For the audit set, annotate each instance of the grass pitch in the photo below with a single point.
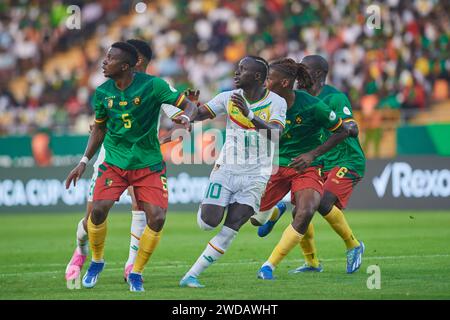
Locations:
(411, 249)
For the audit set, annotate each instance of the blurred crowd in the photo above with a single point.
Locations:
(48, 72)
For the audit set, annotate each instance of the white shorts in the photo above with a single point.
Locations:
(98, 162)
(225, 188)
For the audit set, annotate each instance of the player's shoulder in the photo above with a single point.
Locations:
(306, 98)
(228, 93)
(107, 88)
(332, 92)
(275, 97)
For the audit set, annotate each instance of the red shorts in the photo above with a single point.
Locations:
(149, 184)
(287, 179)
(340, 182)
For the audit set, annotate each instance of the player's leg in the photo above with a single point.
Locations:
(150, 189)
(79, 255)
(308, 247)
(209, 216)
(335, 197)
(335, 217)
(307, 189)
(149, 240)
(271, 206)
(97, 228)
(138, 223)
(110, 184)
(76, 263)
(274, 215)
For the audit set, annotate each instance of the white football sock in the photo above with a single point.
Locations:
(138, 223)
(82, 239)
(263, 216)
(214, 250)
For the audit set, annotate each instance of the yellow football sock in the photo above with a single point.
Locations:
(309, 247)
(147, 244)
(289, 240)
(275, 213)
(97, 236)
(339, 224)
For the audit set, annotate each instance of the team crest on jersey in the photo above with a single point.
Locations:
(347, 111)
(137, 101)
(108, 182)
(298, 119)
(110, 103)
(263, 116)
(123, 103)
(332, 115)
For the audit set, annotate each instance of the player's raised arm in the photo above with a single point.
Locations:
(259, 123)
(95, 141)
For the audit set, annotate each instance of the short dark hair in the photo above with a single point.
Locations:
(261, 65)
(142, 47)
(130, 53)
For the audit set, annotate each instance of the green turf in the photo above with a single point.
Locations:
(411, 249)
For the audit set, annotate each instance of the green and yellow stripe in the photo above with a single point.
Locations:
(337, 125)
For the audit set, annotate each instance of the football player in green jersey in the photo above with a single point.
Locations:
(343, 168)
(127, 110)
(138, 221)
(301, 146)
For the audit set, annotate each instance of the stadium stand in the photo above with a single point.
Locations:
(394, 75)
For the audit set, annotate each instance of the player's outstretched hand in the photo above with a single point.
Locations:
(193, 95)
(75, 174)
(302, 162)
(239, 102)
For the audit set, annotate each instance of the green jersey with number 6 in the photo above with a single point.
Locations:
(348, 153)
(132, 119)
(305, 120)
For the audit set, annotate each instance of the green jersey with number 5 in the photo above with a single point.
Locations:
(132, 119)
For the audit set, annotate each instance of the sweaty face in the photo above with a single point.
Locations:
(245, 75)
(113, 63)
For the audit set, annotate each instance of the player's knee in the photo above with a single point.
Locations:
(326, 203)
(305, 211)
(201, 222)
(158, 218)
(98, 215)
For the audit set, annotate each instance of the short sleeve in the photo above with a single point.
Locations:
(218, 104)
(278, 112)
(326, 117)
(341, 105)
(101, 114)
(166, 94)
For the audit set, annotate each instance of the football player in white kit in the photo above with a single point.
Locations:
(255, 118)
(139, 220)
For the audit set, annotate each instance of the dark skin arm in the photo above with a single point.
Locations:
(303, 161)
(203, 113)
(260, 124)
(190, 110)
(98, 131)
